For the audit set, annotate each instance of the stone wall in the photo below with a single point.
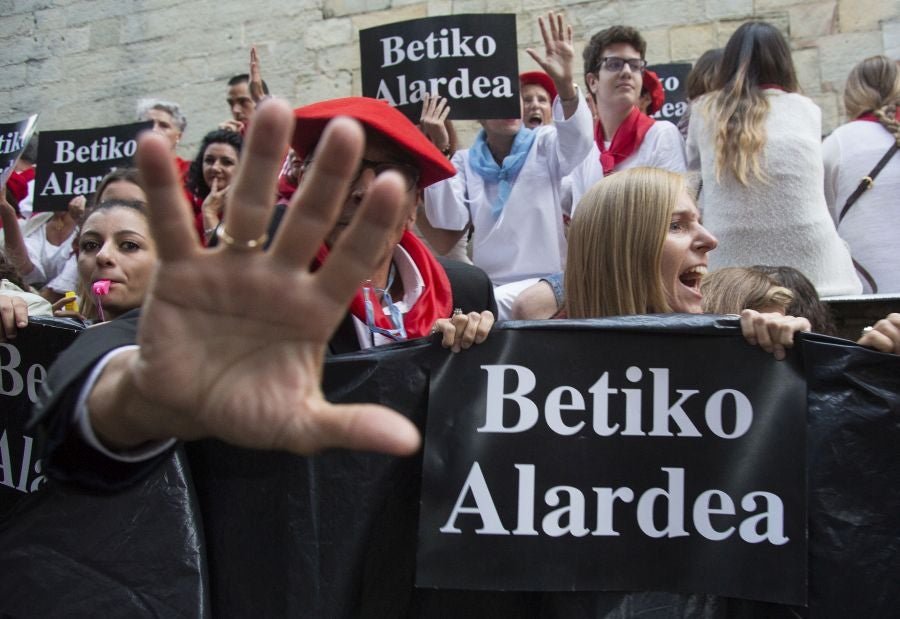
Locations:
(83, 63)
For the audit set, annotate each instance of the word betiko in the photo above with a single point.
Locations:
(611, 452)
(469, 59)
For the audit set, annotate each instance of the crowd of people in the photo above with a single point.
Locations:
(583, 207)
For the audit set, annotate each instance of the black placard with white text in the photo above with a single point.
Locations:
(469, 59)
(24, 361)
(616, 461)
(13, 139)
(673, 78)
(73, 162)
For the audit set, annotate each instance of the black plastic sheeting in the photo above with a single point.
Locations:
(334, 535)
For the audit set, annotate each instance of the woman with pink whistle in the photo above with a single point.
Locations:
(116, 257)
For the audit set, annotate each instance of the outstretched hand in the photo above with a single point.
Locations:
(559, 53)
(232, 339)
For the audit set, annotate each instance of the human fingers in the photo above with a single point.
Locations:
(429, 106)
(76, 207)
(444, 111)
(13, 316)
(170, 222)
(447, 329)
(884, 335)
(545, 36)
(315, 206)
(366, 241)
(470, 330)
(484, 326)
(235, 126)
(458, 322)
(354, 426)
(251, 200)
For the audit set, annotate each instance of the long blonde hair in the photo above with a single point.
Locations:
(615, 244)
(756, 55)
(873, 87)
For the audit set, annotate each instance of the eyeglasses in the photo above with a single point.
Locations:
(615, 64)
(410, 173)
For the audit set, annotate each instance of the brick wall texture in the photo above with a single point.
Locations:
(84, 63)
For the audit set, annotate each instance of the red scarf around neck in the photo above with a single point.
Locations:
(435, 302)
(625, 142)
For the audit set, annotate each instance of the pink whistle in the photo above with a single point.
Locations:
(100, 287)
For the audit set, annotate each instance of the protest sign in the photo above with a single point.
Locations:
(13, 139)
(23, 369)
(673, 78)
(615, 461)
(73, 162)
(469, 59)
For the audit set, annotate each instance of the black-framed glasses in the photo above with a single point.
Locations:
(614, 64)
(410, 173)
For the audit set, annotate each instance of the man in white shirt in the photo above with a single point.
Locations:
(614, 64)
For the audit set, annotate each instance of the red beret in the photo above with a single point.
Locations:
(653, 86)
(379, 116)
(541, 79)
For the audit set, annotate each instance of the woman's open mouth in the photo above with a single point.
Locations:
(691, 277)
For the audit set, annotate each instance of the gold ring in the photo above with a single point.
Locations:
(230, 241)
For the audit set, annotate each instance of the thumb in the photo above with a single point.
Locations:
(367, 427)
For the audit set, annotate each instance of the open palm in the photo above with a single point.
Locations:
(232, 339)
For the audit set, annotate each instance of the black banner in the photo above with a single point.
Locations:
(13, 139)
(333, 535)
(616, 461)
(23, 368)
(73, 162)
(67, 553)
(469, 59)
(673, 78)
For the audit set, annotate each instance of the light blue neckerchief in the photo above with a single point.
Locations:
(482, 161)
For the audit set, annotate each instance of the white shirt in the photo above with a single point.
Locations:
(527, 239)
(872, 225)
(413, 286)
(662, 147)
(48, 259)
(782, 222)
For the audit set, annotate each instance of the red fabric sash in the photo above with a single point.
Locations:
(625, 142)
(435, 302)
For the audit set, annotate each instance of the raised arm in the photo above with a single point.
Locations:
(559, 52)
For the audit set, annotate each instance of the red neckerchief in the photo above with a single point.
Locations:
(435, 302)
(625, 142)
(27, 175)
(286, 189)
(874, 119)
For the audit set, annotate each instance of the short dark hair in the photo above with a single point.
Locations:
(593, 51)
(242, 78)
